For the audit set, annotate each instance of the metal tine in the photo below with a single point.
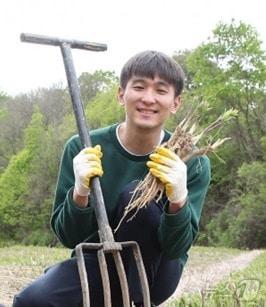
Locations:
(83, 276)
(141, 271)
(142, 275)
(105, 275)
(122, 278)
(105, 278)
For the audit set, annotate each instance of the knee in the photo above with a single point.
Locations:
(133, 225)
(166, 280)
(28, 298)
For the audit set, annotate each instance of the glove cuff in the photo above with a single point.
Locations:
(82, 190)
(179, 198)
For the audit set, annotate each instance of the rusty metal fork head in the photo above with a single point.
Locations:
(113, 248)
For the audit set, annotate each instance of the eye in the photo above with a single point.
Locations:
(162, 91)
(138, 87)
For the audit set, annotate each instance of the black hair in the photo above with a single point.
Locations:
(150, 64)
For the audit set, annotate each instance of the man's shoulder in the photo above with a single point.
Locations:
(101, 131)
(95, 134)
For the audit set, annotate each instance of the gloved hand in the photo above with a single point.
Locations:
(86, 165)
(172, 172)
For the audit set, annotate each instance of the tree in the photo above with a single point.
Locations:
(92, 84)
(181, 57)
(20, 213)
(104, 109)
(15, 116)
(242, 223)
(230, 72)
(54, 103)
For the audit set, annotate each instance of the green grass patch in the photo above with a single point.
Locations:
(32, 255)
(200, 256)
(43, 256)
(244, 288)
(19, 265)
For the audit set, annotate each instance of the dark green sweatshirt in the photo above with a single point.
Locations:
(73, 225)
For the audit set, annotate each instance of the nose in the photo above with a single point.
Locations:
(148, 97)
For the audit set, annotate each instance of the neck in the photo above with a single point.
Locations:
(139, 141)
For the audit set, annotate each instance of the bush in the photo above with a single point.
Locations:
(242, 223)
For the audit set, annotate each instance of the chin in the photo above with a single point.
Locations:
(148, 126)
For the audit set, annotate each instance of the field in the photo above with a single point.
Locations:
(208, 269)
(241, 288)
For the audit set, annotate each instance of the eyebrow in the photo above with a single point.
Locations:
(162, 82)
(159, 82)
(138, 79)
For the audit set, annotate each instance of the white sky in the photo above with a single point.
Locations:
(126, 26)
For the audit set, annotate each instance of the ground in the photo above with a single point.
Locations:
(198, 278)
(205, 268)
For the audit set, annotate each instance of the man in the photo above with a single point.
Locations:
(122, 154)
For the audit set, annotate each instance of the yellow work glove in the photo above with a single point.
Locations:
(172, 172)
(87, 164)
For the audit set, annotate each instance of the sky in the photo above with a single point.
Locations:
(126, 26)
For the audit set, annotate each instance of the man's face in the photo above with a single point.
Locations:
(148, 102)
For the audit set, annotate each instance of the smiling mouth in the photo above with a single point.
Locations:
(147, 111)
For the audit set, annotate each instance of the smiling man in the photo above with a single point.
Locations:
(150, 88)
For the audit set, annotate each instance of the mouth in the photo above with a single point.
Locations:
(147, 111)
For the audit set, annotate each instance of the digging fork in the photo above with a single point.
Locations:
(107, 243)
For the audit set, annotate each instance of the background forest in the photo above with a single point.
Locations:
(227, 71)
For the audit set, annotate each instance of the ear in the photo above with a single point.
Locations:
(120, 96)
(176, 104)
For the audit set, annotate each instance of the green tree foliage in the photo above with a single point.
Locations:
(181, 57)
(26, 187)
(14, 182)
(54, 103)
(104, 109)
(28, 180)
(92, 84)
(242, 223)
(15, 114)
(229, 71)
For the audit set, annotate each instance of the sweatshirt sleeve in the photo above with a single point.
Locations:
(71, 224)
(177, 231)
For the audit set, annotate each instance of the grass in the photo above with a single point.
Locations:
(19, 265)
(44, 256)
(36, 256)
(200, 256)
(243, 289)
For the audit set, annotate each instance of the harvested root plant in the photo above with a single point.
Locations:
(183, 142)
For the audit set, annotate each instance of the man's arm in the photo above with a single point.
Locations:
(177, 231)
(79, 200)
(71, 221)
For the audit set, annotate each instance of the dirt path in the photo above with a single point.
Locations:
(198, 278)
(13, 279)
(195, 278)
